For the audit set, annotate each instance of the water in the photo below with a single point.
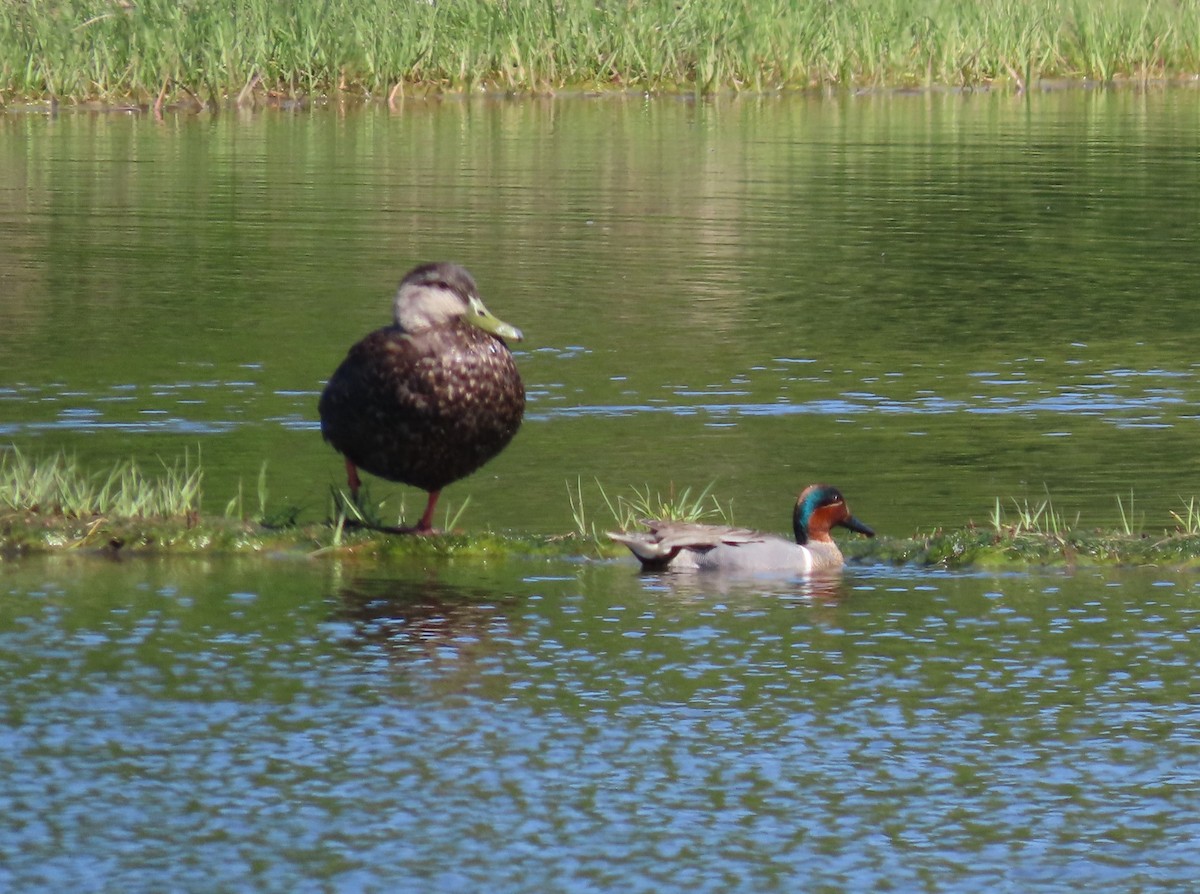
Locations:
(179, 726)
(931, 301)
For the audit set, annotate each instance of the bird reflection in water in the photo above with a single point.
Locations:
(428, 625)
(818, 589)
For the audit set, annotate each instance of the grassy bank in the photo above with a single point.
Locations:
(971, 547)
(52, 504)
(248, 51)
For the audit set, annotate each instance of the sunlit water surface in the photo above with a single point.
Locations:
(565, 727)
(932, 301)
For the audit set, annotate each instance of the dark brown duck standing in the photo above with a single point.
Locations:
(431, 398)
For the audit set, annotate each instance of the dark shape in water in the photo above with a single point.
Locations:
(431, 398)
(688, 546)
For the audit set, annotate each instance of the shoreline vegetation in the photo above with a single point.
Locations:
(195, 54)
(52, 505)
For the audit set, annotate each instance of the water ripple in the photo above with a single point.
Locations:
(215, 407)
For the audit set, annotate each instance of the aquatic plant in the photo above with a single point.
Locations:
(367, 512)
(58, 486)
(627, 512)
(256, 50)
(1189, 521)
(271, 517)
(1130, 524)
(363, 511)
(1041, 518)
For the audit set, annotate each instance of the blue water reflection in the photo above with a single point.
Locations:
(580, 727)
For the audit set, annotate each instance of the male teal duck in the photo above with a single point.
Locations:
(431, 398)
(686, 546)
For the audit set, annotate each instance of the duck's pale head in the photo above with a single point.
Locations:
(819, 508)
(434, 295)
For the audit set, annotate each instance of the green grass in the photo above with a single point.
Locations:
(1023, 533)
(1188, 522)
(217, 51)
(50, 503)
(58, 486)
(367, 512)
(626, 511)
(1031, 518)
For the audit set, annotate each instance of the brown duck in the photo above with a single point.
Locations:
(431, 398)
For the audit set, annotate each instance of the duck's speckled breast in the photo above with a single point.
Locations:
(423, 409)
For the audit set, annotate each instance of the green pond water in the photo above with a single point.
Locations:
(931, 301)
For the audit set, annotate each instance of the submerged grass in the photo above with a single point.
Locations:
(238, 50)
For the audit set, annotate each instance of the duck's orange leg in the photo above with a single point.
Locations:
(352, 479)
(425, 525)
